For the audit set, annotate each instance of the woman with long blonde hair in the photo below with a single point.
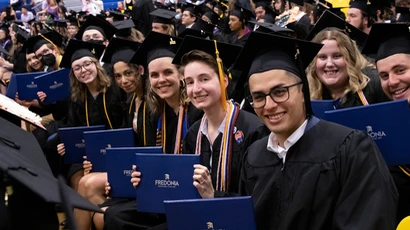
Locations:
(337, 72)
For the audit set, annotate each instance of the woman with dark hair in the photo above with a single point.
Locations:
(8, 15)
(279, 6)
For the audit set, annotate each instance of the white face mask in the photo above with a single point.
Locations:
(178, 16)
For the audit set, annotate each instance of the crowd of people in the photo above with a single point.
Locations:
(232, 82)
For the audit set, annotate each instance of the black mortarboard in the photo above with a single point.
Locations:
(221, 5)
(194, 33)
(36, 42)
(124, 27)
(404, 14)
(22, 159)
(73, 21)
(270, 15)
(200, 29)
(117, 16)
(94, 23)
(120, 50)
(213, 17)
(269, 52)
(298, 2)
(164, 16)
(227, 52)
(156, 45)
(31, 21)
(242, 12)
(386, 39)
(60, 23)
(103, 17)
(18, 22)
(329, 19)
(270, 28)
(362, 5)
(77, 49)
(22, 35)
(66, 204)
(82, 14)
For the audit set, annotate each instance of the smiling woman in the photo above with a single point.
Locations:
(337, 72)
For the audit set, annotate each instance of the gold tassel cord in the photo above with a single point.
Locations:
(221, 77)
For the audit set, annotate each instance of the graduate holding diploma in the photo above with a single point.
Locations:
(308, 173)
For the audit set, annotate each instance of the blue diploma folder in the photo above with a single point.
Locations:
(74, 143)
(164, 177)
(387, 123)
(24, 84)
(96, 143)
(235, 213)
(319, 107)
(119, 163)
(56, 85)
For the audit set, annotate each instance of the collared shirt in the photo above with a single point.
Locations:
(190, 26)
(292, 139)
(204, 131)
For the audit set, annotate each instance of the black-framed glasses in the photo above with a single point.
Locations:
(278, 95)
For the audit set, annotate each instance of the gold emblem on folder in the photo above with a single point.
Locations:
(210, 225)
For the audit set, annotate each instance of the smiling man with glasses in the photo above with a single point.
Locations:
(308, 173)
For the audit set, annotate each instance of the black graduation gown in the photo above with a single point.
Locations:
(140, 14)
(241, 41)
(373, 92)
(96, 113)
(334, 178)
(246, 123)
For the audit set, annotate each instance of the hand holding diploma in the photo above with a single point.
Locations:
(135, 176)
(203, 181)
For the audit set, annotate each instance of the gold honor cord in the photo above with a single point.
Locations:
(221, 77)
(105, 110)
(132, 102)
(405, 170)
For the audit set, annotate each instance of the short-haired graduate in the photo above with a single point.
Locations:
(308, 173)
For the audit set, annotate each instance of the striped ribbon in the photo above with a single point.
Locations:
(182, 129)
(225, 157)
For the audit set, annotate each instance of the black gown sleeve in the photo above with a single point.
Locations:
(364, 179)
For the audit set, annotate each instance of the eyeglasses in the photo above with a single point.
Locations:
(278, 95)
(86, 65)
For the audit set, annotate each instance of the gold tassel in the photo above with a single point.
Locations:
(221, 77)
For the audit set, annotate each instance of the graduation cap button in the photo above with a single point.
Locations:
(172, 42)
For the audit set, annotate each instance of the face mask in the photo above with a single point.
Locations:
(178, 17)
(96, 42)
(48, 59)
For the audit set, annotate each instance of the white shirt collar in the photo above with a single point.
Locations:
(204, 128)
(292, 139)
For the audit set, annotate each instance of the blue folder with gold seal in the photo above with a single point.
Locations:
(234, 213)
(164, 177)
(56, 85)
(74, 143)
(24, 84)
(119, 163)
(387, 123)
(96, 143)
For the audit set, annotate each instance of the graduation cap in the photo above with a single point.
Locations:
(362, 5)
(61, 23)
(23, 161)
(73, 21)
(270, 15)
(156, 45)
(82, 14)
(34, 43)
(404, 14)
(163, 16)
(94, 23)
(31, 21)
(66, 204)
(271, 28)
(227, 52)
(213, 17)
(117, 16)
(386, 39)
(298, 2)
(18, 22)
(77, 49)
(124, 27)
(21, 35)
(200, 29)
(221, 5)
(120, 50)
(242, 12)
(269, 52)
(329, 19)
